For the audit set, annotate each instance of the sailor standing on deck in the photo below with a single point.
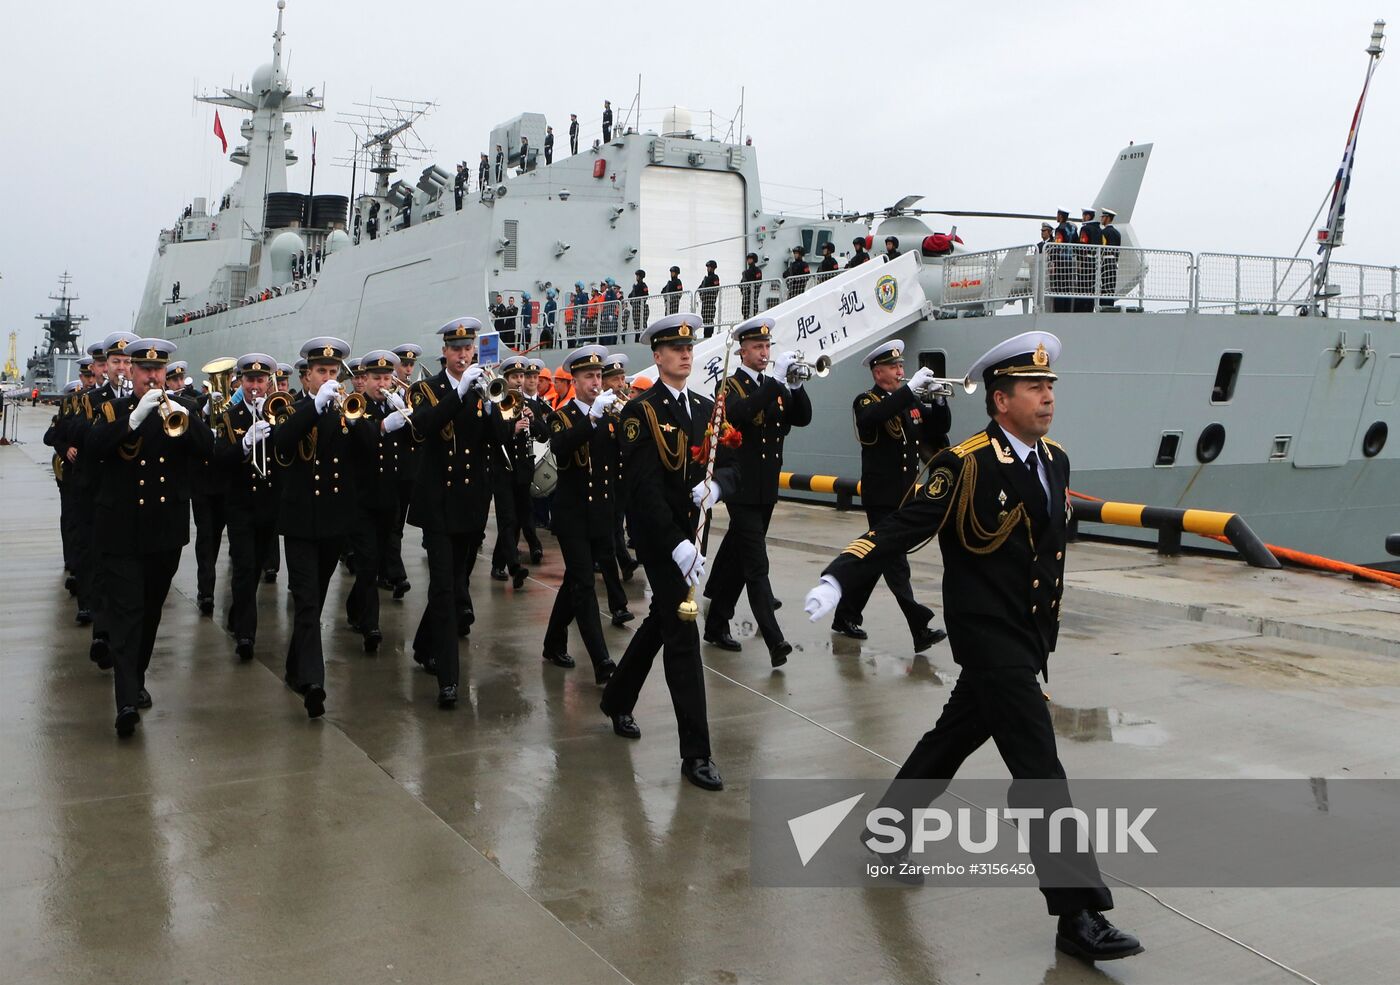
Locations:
(764, 409)
(243, 452)
(891, 423)
(998, 504)
(460, 433)
(666, 494)
(144, 457)
(1087, 260)
(313, 450)
(573, 133)
(1111, 237)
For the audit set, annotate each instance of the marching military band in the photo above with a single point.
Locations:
(362, 447)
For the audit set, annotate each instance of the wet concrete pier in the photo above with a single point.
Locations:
(516, 839)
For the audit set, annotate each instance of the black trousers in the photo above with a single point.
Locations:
(451, 557)
(369, 538)
(273, 561)
(391, 563)
(68, 528)
(742, 562)
(576, 601)
(310, 564)
(85, 545)
(679, 643)
(1006, 705)
(252, 542)
(525, 515)
(134, 590)
(209, 522)
(506, 553)
(573, 143)
(852, 606)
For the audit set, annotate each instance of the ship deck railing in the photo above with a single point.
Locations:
(1072, 277)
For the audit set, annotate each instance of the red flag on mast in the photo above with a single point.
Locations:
(219, 131)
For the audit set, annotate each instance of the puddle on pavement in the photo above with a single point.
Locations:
(1105, 725)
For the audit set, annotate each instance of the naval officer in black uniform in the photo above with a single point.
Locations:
(765, 409)
(511, 474)
(999, 506)
(392, 572)
(313, 450)
(583, 435)
(666, 493)
(459, 433)
(243, 453)
(143, 502)
(891, 425)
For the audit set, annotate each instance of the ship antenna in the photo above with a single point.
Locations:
(1330, 237)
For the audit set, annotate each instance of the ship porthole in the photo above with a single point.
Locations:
(1374, 441)
(1211, 443)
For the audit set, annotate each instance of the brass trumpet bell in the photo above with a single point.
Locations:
(220, 377)
(511, 403)
(801, 371)
(173, 420)
(353, 406)
(277, 407)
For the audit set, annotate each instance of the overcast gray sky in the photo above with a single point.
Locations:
(996, 106)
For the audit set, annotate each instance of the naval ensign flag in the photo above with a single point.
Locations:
(219, 131)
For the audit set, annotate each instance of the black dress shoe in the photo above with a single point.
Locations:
(928, 636)
(143, 698)
(702, 773)
(518, 576)
(372, 640)
(127, 720)
(1088, 935)
(624, 725)
(847, 628)
(895, 861)
(498, 574)
(621, 617)
(71, 584)
(536, 557)
(778, 655)
(720, 637)
(206, 606)
(243, 650)
(559, 659)
(84, 617)
(604, 671)
(401, 589)
(314, 699)
(270, 576)
(100, 652)
(628, 570)
(447, 696)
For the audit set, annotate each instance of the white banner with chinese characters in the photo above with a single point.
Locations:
(844, 316)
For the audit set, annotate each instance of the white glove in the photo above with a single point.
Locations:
(395, 401)
(782, 364)
(600, 406)
(326, 394)
(922, 379)
(258, 432)
(690, 561)
(393, 422)
(823, 598)
(144, 406)
(705, 495)
(469, 379)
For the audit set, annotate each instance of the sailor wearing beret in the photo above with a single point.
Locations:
(760, 403)
(897, 431)
(243, 454)
(666, 492)
(998, 505)
(313, 451)
(459, 434)
(142, 446)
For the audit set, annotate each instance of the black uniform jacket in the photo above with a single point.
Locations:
(143, 491)
(585, 457)
(246, 490)
(377, 457)
(764, 415)
(1003, 548)
(517, 455)
(890, 426)
(315, 453)
(659, 470)
(458, 439)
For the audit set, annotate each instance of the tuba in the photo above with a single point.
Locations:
(220, 374)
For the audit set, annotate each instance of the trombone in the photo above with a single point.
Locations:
(943, 387)
(801, 371)
(275, 408)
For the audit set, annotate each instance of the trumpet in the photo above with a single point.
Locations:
(801, 371)
(173, 419)
(398, 386)
(352, 406)
(493, 385)
(511, 405)
(943, 387)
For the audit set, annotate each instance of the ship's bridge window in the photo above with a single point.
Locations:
(1227, 374)
(814, 239)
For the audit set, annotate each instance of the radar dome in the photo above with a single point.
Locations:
(280, 252)
(338, 240)
(676, 122)
(262, 78)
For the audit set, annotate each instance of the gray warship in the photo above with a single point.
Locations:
(55, 360)
(1256, 384)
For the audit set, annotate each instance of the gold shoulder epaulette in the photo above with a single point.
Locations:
(1056, 444)
(424, 391)
(972, 444)
(109, 413)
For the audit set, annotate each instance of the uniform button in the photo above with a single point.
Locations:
(381, 468)
(162, 499)
(449, 482)
(140, 502)
(335, 489)
(162, 459)
(141, 482)
(316, 461)
(162, 478)
(335, 475)
(1059, 555)
(143, 462)
(318, 492)
(1057, 583)
(335, 461)
(1036, 582)
(1032, 607)
(590, 499)
(449, 468)
(316, 477)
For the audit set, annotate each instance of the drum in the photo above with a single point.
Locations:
(546, 474)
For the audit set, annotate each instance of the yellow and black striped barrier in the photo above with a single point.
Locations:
(1169, 523)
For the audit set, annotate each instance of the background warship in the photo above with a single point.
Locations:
(1263, 385)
